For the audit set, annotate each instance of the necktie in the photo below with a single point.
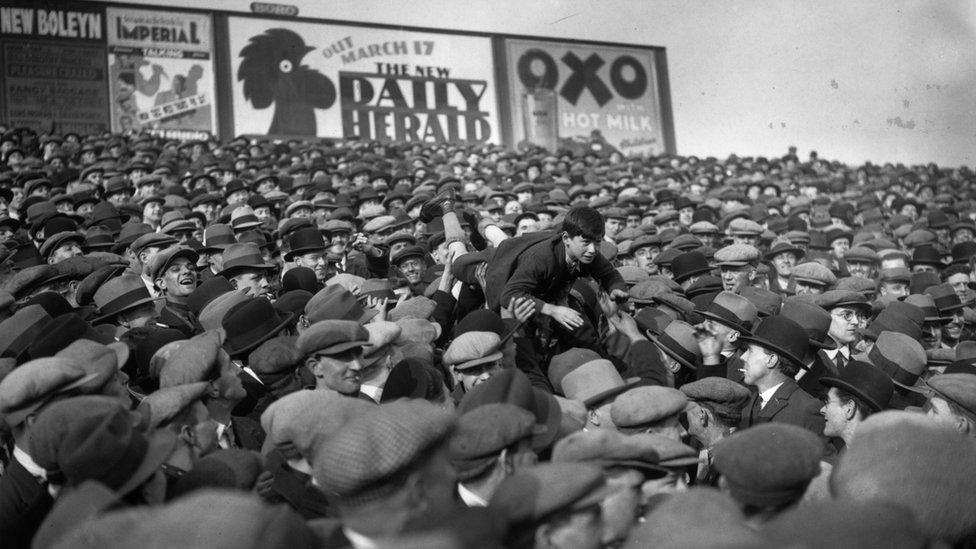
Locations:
(839, 361)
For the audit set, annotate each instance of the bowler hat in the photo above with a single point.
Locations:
(120, 294)
(782, 245)
(689, 264)
(864, 381)
(946, 299)
(206, 292)
(927, 254)
(782, 336)
(250, 323)
(304, 241)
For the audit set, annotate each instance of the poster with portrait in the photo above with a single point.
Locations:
(161, 73)
(326, 80)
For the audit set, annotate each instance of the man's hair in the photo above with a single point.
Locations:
(584, 221)
(861, 409)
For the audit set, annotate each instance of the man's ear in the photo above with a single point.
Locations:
(752, 274)
(233, 282)
(733, 336)
(543, 536)
(593, 417)
(312, 365)
(213, 391)
(188, 435)
(160, 284)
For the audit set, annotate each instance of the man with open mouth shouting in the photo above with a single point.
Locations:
(174, 273)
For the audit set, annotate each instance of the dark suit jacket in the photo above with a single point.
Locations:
(789, 404)
(247, 433)
(295, 488)
(24, 502)
(534, 265)
(822, 367)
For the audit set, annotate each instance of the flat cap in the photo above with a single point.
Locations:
(812, 272)
(895, 274)
(743, 226)
(473, 348)
(769, 464)
(415, 307)
(28, 387)
(156, 240)
(861, 254)
(192, 361)
(301, 421)
(163, 405)
(483, 432)
(911, 460)
(534, 494)
(609, 448)
(723, 395)
(737, 255)
(642, 406)
(329, 337)
(274, 356)
(959, 389)
(165, 258)
(378, 223)
(362, 462)
(832, 299)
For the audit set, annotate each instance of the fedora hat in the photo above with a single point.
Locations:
(98, 238)
(813, 319)
(83, 438)
(781, 336)
(120, 294)
(213, 312)
(335, 302)
(927, 305)
(61, 332)
(732, 310)
(582, 374)
(927, 254)
(242, 256)
(250, 323)
(689, 264)
(20, 330)
(900, 357)
(678, 341)
(893, 319)
(217, 237)
(865, 381)
(946, 299)
(206, 292)
(243, 218)
(304, 241)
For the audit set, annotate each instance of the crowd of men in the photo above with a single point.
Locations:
(346, 343)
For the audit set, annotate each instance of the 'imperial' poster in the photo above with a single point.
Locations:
(161, 73)
(345, 81)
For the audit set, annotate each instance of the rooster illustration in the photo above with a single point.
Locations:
(272, 73)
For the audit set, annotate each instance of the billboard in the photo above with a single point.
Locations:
(54, 74)
(584, 96)
(329, 80)
(161, 73)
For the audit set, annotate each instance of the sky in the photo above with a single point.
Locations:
(878, 80)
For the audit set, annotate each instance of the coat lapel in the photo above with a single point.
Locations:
(779, 401)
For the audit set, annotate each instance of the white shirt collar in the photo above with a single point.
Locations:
(767, 395)
(832, 353)
(29, 464)
(359, 541)
(372, 391)
(470, 498)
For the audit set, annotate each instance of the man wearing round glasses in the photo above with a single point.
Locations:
(849, 312)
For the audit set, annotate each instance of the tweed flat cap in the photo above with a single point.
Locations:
(415, 307)
(861, 254)
(959, 389)
(382, 334)
(151, 240)
(769, 464)
(363, 461)
(895, 274)
(911, 460)
(723, 395)
(812, 272)
(192, 361)
(163, 405)
(609, 448)
(746, 227)
(165, 258)
(837, 523)
(300, 421)
(832, 299)
(485, 431)
(29, 386)
(698, 517)
(643, 406)
(473, 348)
(737, 255)
(330, 337)
(274, 356)
(534, 494)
